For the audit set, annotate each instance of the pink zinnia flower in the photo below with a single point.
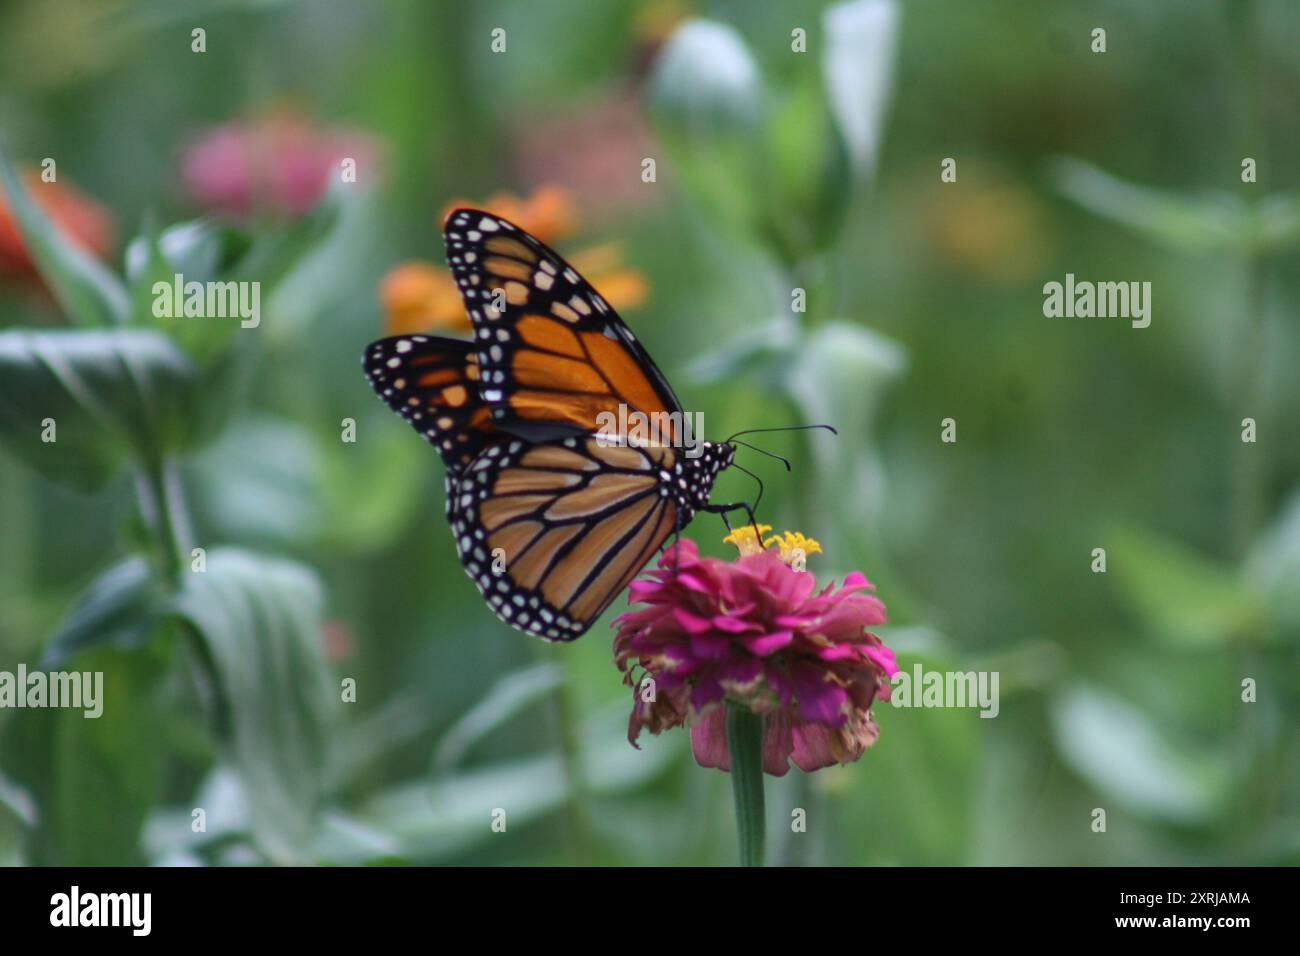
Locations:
(758, 633)
(278, 163)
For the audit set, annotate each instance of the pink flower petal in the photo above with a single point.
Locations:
(818, 699)
(777, 744)
(733, 625)
(710, 645)
(692, 623)
(811, 748)
(884, 657)
(765, 644)
(709, 739)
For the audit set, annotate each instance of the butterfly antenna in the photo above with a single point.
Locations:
(783, 428)
(764, 451)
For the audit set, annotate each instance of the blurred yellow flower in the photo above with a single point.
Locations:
(995, 229)
(418, 296)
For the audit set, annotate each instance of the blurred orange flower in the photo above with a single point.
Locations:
(77, 216)
(550, 213)
(418, 296)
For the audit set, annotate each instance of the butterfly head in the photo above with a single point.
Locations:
(720, 454)
(714, 457)
(695, 474)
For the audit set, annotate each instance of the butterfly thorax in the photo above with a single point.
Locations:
(691, 479)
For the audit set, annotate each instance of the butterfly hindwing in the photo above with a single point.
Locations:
(554, 355)
(552, 532)
(433, 383)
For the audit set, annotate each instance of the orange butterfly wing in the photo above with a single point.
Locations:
(551, 533)
(550, 522)
(433, 383)
(554, 355)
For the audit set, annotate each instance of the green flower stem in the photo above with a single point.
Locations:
(745, 745)
(568, 721)
(1253, 473)
(1250, 481)
(158, 487)
(571, 752)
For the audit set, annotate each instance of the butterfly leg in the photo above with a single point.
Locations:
(723, 510)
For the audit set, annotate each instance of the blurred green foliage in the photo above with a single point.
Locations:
(329, 561)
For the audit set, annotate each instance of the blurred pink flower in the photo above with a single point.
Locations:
(756, 632)
(278, 163)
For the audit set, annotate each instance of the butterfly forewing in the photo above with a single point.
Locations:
(552, 519)
(433, 383)
(554, 354)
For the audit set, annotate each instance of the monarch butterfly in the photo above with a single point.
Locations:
(551, 518)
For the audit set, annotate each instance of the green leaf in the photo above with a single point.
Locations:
(455, 813)
(1277, 220)
(1190, 224)
(86, 291)
(808, 180)
(706, 101)
(435, 822)
(1184, 598)
(198, 252)
(371, 497)
(271, 481)
(93, 778)
(513, 693)
(858, 64)
(260, 482)
(1273, 567)
(120, 608)
(108, 393)
(841, 373)
(762, 351)
(910, 799)
(1120, 751)
(276, 252)
(201, 249)
(17, 819)
(169, 830)
(17, 802)
(839, 378)
(259, 623)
